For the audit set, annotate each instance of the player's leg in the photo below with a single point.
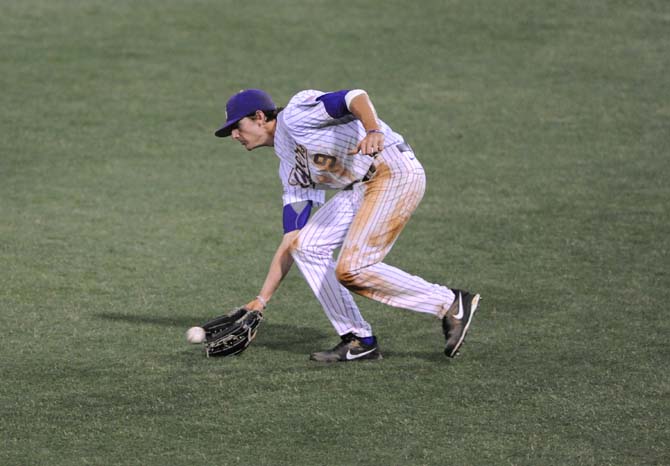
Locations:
(389, 200)
(313, 253)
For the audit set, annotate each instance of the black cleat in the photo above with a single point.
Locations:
(351, 348)
(456, 320)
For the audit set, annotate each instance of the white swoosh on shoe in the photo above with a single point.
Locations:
(351, 357)
(459, 316)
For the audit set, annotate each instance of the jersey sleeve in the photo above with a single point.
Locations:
(335, 103)
(295, 215)
(312, 109)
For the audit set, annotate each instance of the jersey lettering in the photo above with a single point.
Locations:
(300, 173)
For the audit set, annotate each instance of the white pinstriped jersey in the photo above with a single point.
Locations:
(314, 147)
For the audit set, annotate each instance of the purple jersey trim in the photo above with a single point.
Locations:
(335, 104)
(296, 219)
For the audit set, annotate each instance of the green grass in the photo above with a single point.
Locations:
(545, 131)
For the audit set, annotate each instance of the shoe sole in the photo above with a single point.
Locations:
(473, 307)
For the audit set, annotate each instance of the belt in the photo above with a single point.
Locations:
(402, 147)
(371, 172)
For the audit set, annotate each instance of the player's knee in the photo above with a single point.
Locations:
(347, 277)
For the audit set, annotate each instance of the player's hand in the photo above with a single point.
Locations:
(372, 144)
(255, 305)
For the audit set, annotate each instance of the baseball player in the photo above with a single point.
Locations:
(334, 140)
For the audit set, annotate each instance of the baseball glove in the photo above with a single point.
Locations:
(230, 334)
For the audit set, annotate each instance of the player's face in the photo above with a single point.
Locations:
(251, 133)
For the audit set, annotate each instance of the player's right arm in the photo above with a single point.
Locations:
(361, 107)
(304, 114)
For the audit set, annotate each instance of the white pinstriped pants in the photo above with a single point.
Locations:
(366, 221)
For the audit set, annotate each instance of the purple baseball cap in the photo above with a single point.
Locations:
(243, 104)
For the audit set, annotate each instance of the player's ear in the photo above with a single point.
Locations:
(260, 116)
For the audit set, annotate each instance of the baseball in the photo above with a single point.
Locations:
(195, 335)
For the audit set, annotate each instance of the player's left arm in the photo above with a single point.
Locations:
(295, 216)
(279, 266)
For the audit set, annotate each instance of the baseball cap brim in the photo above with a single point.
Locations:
(226, 129)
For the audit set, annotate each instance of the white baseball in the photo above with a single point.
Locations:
(195, 335)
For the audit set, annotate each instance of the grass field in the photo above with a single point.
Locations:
(544, 128)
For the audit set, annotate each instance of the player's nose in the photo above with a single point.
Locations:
(235, 133)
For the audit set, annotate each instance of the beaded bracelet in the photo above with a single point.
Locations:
(262, 301)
